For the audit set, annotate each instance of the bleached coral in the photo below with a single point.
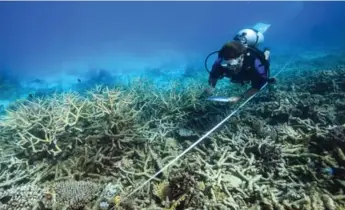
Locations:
(75, 194)
(23, 197)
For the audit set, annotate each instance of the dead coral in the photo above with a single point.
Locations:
(269, 156)
(182, 185)
(257, 160)
(179, 191)
(331, 140)
(54, 124)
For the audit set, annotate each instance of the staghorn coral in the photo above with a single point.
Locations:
(39, 124)
(269, 156)
(37, 130)
(132, 149)
(52, 125)
(180, 191)
(331, 145)
(334, 138)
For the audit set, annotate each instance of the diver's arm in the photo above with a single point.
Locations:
(251, 91)
(245, 95)
(215, 75)
(211, 86)
(212, 81)
(258, 82)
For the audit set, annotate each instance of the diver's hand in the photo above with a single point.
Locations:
(267, 54)
(206, 93)
(209, 91)
(272, 80)
(234, 99)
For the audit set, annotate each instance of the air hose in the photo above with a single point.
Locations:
(206, 59)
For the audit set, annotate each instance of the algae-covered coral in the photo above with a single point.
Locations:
(72, 151)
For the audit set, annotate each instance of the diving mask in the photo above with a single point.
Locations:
(234, 64)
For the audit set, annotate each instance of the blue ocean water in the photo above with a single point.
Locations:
(53, 44)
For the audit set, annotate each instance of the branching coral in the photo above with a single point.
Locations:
(39, 125)
(51, 125)
(180, 191)
(257, 160)
(332, 139)
(269, 156)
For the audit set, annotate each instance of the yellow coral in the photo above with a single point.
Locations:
(117, 201)
(176, 203)
(219, 194)
(160, 190)
(201, 186)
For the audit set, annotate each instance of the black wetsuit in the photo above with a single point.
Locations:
(255, 69)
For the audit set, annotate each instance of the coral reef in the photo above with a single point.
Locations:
(72, 151)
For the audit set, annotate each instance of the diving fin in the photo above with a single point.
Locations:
(261, 27)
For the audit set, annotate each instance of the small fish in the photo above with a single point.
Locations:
(79, 80)
(335, 172)
(218, 98)
(328, 171)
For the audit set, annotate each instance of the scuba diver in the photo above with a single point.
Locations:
(242, 62)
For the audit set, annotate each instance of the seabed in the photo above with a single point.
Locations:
(73, 151)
